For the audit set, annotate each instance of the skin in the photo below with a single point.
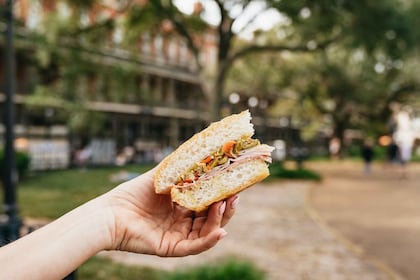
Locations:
(131, 217)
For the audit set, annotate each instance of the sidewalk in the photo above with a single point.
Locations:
(379, 214)
(274, 229)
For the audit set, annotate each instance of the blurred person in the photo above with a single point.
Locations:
(405, 141)
(334, 148)
(405, 150)
(131, 217)
(404, 138)
(392, 152)
(367, 155)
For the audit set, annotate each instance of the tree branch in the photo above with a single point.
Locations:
(275, 48)
(396, 94)
(252, 19)
(180, 28)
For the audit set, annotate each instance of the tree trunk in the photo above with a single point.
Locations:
(213, 88)
(338, 133)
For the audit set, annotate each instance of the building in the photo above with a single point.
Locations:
(148, 98)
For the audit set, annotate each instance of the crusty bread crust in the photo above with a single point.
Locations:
(226, 184)
(200, 146)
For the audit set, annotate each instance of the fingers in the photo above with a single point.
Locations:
(231, 205)
(218, 215)
(196, 246)
(206, 229)
(214, 218)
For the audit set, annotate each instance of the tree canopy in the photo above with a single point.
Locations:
(339, 58)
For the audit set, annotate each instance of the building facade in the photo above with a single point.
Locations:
(149, 100)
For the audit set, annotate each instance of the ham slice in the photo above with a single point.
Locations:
(262, 152)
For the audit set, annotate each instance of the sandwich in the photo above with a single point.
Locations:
(217, 162)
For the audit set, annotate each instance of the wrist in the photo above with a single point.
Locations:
(104, 222)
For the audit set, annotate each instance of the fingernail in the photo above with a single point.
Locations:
(234, 203)
(222, 208)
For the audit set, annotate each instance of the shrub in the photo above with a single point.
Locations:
(279, 171)
(230, 269)
(22, 163)
(226, 269)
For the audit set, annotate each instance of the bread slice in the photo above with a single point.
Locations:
(206, 192)
(200, 146)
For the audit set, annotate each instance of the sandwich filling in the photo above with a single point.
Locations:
(226, 157)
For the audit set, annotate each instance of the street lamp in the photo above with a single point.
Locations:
(10, 226)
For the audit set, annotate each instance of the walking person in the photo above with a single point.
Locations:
(392, 153)
(367, 155)
(405, 149)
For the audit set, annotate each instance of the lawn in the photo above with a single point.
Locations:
(53, 193)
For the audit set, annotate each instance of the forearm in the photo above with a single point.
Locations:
(58, 248)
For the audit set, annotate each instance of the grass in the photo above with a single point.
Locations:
(226, 269)
(53, 193)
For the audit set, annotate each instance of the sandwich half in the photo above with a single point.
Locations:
(214, 164)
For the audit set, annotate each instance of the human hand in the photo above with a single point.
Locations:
(149, 223)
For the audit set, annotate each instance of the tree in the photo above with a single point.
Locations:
(306, 26)
(353, 80)
(382, 30)
(157, 12)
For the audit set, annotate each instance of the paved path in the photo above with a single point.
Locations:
(274, 229)
(379, 213)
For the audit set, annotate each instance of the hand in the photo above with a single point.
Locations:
(149, 223)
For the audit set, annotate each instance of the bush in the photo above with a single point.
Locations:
(23, 161)
(277, 170)
(230, 269)
(226, 269)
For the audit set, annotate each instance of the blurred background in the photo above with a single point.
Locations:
(116, 83)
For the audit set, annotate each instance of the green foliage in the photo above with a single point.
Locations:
(278, 171)
(230, 269)
(226, 269)
(104, 268)
(331, 82)
(355, 22)
(348, 83)
(23, 161)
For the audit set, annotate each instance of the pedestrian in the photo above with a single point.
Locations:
(367, 155)
(392, 152)
(405, 150)
(131, 217)
(334, 148)
(404, 137)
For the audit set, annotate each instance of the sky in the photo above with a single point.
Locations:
(265, 20)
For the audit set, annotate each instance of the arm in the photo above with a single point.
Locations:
(58, 248)
(130, 217)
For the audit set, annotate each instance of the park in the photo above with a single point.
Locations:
(95, 93)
